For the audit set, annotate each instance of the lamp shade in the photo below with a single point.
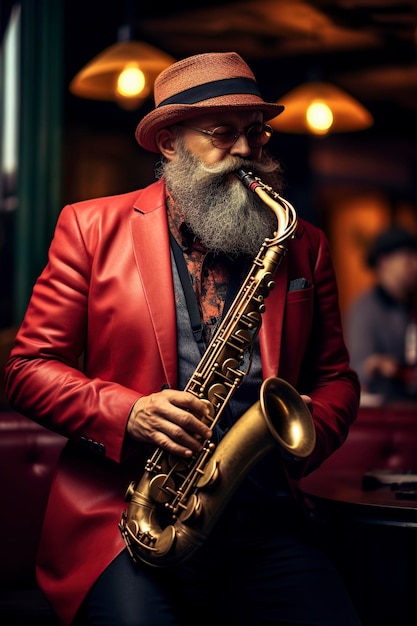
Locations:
(99, 79)
(321, 108)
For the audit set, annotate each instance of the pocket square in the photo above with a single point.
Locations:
(299, 283)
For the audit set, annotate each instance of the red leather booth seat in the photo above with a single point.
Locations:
(382, 437)
(28, 454)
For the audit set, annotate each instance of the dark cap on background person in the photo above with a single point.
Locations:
(200, 84)
(395, 238)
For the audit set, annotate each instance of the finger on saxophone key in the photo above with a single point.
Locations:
(174, 420)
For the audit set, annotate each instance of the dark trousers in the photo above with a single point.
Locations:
(251, 571)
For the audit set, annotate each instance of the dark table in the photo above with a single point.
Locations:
(372, 536)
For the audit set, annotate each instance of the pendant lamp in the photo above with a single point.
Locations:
(321, 108)
(124, 73)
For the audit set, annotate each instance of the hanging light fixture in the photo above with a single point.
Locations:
(321, 108)
(124, 73)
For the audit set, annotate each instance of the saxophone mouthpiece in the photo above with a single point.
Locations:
(247, 179)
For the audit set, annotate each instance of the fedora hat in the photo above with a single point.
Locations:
(390, 240)
(210, 82)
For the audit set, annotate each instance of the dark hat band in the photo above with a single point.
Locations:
(214, 89)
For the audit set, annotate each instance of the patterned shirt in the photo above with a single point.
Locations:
(210, 274)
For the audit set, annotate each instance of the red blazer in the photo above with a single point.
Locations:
(100, 331)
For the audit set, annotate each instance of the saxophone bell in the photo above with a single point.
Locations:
(288, 417)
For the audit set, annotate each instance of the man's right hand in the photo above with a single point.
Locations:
(172, 420)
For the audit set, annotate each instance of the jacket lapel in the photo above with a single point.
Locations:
(270, 335)
(153, 259)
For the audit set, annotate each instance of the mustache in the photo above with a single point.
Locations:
(218, 172)
(223, 168)
(268, 170)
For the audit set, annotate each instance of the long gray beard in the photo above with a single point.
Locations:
(218, 208)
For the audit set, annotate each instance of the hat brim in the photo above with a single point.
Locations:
(171, 114)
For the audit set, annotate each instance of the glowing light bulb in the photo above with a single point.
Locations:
(131, 82)
(319, 117)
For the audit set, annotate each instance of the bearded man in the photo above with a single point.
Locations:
(137, 285)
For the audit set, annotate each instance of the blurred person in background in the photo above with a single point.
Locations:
(382, 322)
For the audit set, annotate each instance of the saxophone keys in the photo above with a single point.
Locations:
(160, 488)
(268, 282)
(216, 393)
(193, 509)
(230, 365)
(210, 474)
(243, 337)
(165, 541)
(253, 319)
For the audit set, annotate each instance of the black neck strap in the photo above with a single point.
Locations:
(191, 300)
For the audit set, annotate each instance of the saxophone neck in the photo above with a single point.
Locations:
(284, 211)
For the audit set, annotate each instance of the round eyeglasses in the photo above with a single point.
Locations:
(224, 137)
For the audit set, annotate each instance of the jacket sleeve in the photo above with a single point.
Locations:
(43, 377)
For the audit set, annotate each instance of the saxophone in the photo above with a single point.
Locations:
(176, 502)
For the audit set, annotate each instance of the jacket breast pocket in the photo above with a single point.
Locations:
(299, 318)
